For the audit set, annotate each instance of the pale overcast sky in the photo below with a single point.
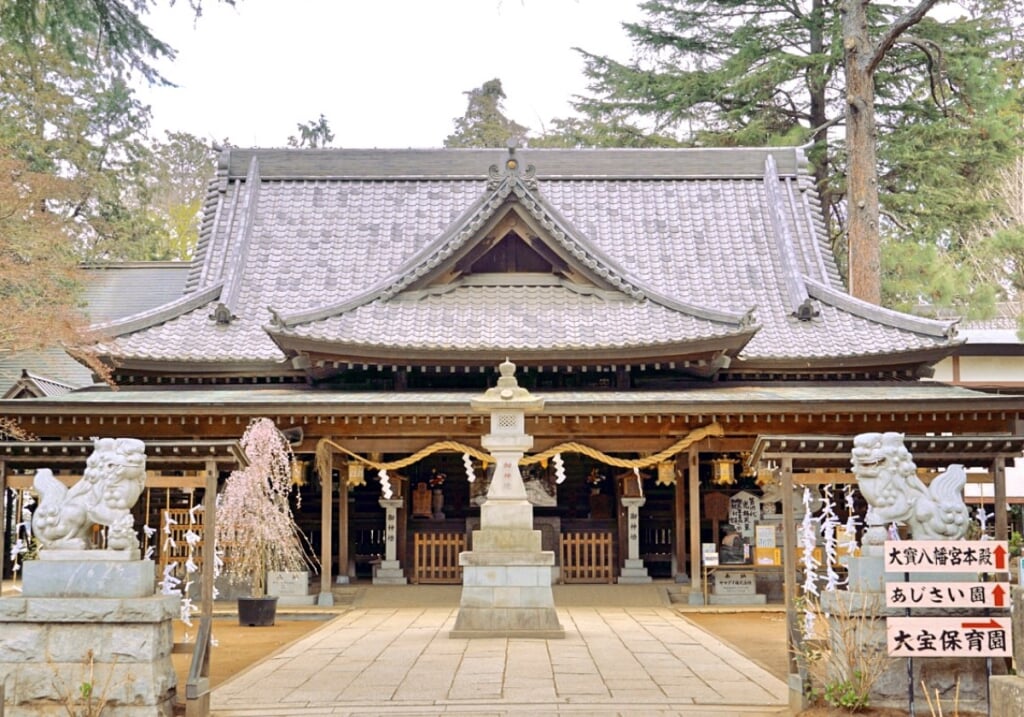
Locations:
(385, 73)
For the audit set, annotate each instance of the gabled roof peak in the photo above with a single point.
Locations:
(513, 189)
(511, 171)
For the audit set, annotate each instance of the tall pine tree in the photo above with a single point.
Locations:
(947, 100)
(485, 123)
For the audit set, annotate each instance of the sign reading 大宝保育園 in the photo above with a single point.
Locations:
(966, 636)
(949, 636)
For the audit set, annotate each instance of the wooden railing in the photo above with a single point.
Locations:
(435, 557)
(588, 557)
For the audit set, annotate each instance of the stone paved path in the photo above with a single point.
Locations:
(401, 661)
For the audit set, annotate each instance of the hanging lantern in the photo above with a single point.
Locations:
(666, 473)
(723, 471)
(299, 472)
(765, 476)
(356, 475)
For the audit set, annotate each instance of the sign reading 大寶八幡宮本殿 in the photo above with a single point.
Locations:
(946, 556)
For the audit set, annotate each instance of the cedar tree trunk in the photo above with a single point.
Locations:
(862, 57)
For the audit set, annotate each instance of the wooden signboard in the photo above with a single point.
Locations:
(421, 501)
(963, 636)
(949, 636)
(947, 556)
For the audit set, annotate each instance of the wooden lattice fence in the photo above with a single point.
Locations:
(436, 558)
(588, 557)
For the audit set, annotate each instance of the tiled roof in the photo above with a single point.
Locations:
(326, 245)
(32, 385)
(709, 400)
(528, 321)
(110, 291)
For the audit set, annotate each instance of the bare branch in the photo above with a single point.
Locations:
(898, 27)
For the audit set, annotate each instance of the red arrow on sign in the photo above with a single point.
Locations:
(1000, 555)
(997, 595)
(991, 625)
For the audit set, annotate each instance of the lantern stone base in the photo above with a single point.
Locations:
(507, 594)
(506, 577)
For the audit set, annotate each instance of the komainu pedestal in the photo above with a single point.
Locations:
(89, 628)
(88, 617)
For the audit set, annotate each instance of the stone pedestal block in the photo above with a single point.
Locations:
(87, 577)
(1006, 695)
(389, 572)
(634, 572)
(507, 594)
(47, 644)
(290, 587)
(864, 614)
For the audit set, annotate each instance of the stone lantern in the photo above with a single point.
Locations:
(506, 577)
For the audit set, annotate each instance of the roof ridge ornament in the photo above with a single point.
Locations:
(512, 169)
(222, 314)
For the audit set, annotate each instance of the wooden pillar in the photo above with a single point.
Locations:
(999, 494)
(326, 597)
(622, 378)
(679, 531)
(3, 527)
(693, 481)
(209, 538)
(342, 527)
(788, 568)
(621, 525)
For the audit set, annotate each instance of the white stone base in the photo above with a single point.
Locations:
(634, 573)
(290, 587)
(89, 578)
(389, 572)
(88, 555)
(755, 599)
(296, 600)
(507, 594)
(44, 646)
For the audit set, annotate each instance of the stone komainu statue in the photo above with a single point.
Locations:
(115, 474)
(887, 478)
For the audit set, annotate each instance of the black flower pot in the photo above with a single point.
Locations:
(257, 611)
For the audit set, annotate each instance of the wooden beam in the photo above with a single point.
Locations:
(926, 475)
(185, 482)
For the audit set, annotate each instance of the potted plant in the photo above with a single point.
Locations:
(255, 526)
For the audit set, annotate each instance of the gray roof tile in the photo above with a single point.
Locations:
(691, 226)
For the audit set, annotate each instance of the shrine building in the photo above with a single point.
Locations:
(680, 311)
